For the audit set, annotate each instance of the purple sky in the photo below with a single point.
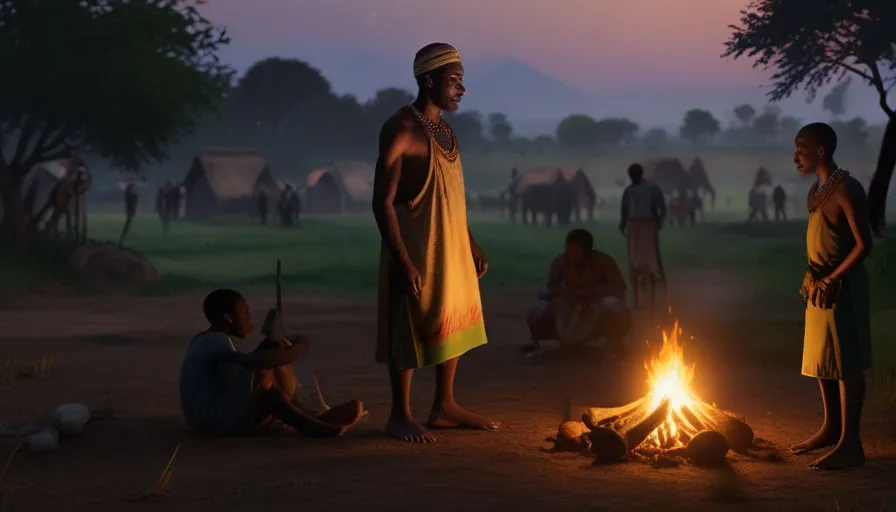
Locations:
(617, 50)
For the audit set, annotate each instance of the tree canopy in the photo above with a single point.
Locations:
(124, 79)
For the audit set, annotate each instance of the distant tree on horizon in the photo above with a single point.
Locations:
(744, 113)
(835, 100)
(655, 138)
(499, 128)
(578, 131)
(698, 125)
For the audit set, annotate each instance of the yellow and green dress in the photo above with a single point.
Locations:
(446, 321)
(837, 341)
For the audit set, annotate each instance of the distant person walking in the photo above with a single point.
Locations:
(131, 198)
(779, 197)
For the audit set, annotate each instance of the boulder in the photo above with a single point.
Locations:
(111, 264)
(47, 440)
(70, 419)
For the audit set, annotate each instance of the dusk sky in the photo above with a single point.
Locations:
(610, 49)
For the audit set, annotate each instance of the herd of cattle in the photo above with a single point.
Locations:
(566, 194)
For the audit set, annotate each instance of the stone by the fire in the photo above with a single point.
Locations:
(47, 440)
(738, 432)
(607, 445)
(708, 448)
(572, 436)
(70, 419)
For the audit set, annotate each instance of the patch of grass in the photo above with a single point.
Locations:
(7, 489)
(13, 369)
(162, 486)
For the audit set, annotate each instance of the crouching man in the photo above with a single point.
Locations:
(227, 392)
(584, 299)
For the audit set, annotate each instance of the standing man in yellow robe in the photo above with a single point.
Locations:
(430, 311)
(837, 340)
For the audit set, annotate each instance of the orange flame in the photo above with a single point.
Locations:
(670, 377)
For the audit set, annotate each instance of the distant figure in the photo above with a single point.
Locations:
(758, 203)
(779, 197)
(261, 201)
(176, 200)
(66, 194)
(131, 198)
(727, 201)
(583, 300)
(289, 206)
(642, 214)
(163, 204)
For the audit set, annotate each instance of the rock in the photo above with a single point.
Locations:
(739, 434)
(608, 445)
(69, 419)
(111, 264)
(572, 436)
(708, 448)
(47, 440)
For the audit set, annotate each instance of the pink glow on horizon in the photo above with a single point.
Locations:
(592, 44)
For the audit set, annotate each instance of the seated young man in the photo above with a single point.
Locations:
(227, 392)
(584, 298)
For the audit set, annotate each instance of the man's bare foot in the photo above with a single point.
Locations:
(455, 416)
(842, 456)
(822, 439)
(405, 428)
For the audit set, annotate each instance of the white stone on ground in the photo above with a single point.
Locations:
(69, 419)
(47, 440)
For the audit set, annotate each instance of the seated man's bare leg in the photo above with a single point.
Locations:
(402, 425)
(849, 451)
(446, 413)
(831, 427)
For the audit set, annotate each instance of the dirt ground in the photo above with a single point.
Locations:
(122, 354)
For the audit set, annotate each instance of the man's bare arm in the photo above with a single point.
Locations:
(395, 139)
(851, 198)
(554, 286)
(473, 243)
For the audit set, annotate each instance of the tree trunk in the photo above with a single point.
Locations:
(14, 225)
(880, 182)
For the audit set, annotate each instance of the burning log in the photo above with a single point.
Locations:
(708, 448)
(613, 444)
(669, 422)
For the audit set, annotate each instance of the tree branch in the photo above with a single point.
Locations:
(46, 151)
(25, 135)
(878, 84)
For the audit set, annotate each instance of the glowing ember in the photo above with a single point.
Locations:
(670, 378)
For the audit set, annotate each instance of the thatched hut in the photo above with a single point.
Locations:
(339, 188)
(224, 181)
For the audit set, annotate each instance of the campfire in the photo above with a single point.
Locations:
(669, 423)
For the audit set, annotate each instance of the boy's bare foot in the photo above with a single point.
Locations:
(455, 416)
(405, 428)
(842, 456)
(347, 414)
(822, 439)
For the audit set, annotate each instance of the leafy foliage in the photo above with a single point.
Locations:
(698, 124)
(123, 79)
